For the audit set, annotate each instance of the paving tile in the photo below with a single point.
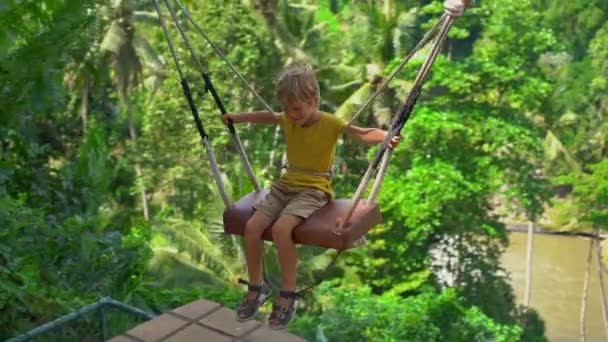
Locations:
(225, 321)
(265, 334)
(157, 328)
(196, 310)
(122, 338)
(197, 333)
(218, 324)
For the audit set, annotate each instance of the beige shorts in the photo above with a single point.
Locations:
(292, 200)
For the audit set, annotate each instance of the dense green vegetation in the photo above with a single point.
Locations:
(105, 189)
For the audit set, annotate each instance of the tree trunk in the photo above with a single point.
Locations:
(138, 171)
(600, 264)
(144, 199)
(586, 291)
(84, 107)
(387, 9)
(529, 264)
(266, 7)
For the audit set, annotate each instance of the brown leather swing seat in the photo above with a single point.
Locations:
(317, 229)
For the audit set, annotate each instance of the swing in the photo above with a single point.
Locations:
(318, 229)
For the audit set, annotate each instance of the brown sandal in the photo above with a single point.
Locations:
(281, 315)
(250, 306)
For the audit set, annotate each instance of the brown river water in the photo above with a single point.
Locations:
(558, 269)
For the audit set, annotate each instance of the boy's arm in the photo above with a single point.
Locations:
(262, 117)
(368, 135)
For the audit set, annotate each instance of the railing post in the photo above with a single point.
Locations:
(102, 322)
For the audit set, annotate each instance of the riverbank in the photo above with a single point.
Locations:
(560, 217)
(522, 227)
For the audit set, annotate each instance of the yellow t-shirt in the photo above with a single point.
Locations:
(311, 148)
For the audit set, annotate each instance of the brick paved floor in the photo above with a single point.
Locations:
(203, 320)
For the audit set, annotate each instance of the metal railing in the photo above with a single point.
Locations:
(100, 307)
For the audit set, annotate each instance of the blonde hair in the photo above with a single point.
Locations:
(297, 83)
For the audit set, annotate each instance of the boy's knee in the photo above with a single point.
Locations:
(253, 229)
(280, 234)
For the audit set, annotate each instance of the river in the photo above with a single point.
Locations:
(558, 269)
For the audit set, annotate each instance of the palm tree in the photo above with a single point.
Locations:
(279, 17)
(130, 52)
(190, 245)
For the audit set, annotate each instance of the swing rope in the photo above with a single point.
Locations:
(399, 120)
(200, 127)
(209, 86)
(425, 39)
(223, 57)
(193, 108)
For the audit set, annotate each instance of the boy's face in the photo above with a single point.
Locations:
(300, 113)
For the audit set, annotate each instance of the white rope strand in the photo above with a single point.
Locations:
(224, 58)
(425, 39)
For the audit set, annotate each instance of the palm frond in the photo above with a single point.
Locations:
(569, 118)
(170, 268)
(146, 17)
(114, 38)
(554, 148)
(188, 237)
(150, 57)
(348, 108)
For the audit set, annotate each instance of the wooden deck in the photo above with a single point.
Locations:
(203, 320)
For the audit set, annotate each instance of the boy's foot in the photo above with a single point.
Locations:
(256, 297)
(282, 314)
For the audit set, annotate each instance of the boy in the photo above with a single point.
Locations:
(311, 138)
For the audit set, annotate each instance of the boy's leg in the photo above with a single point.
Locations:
(254, 247)
(281, 234)
(302, 205)
(284, 310)
(258, 292)
(266, 212)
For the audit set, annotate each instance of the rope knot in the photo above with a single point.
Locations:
(455, 8)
